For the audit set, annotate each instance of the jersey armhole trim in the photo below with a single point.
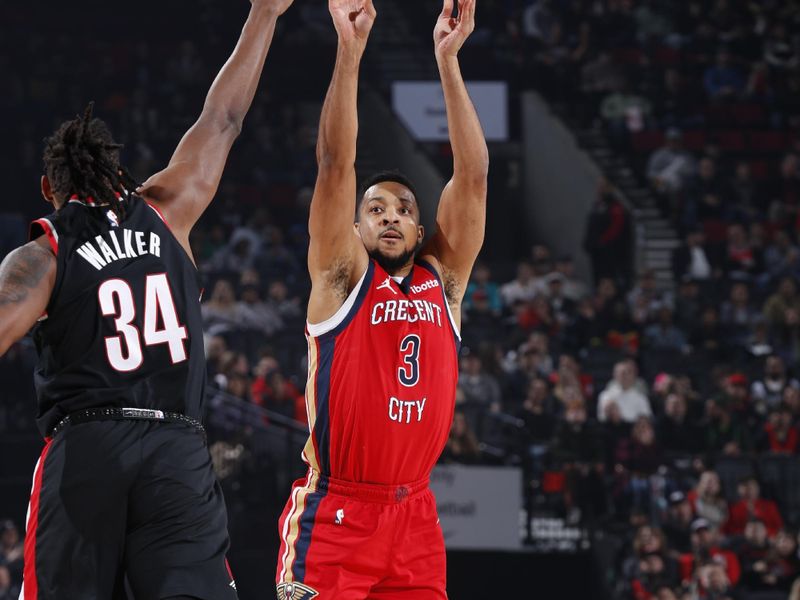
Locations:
(429, 267)
(160, 214)
(346, 311)
(46, 227)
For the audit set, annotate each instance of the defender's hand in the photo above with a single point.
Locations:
(451, 32)
(353, 19)
(277, 6)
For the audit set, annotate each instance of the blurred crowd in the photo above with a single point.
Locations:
(667, 414)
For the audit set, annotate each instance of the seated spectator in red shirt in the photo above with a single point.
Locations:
(752, 506)
(780, 435)
(705, 549)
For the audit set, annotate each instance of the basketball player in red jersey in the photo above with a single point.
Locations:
(124, 488)
(383, 339)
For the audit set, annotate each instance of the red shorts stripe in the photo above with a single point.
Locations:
(30, 587)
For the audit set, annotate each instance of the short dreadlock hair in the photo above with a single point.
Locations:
(81, 158)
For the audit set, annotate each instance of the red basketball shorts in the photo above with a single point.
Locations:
(347, 541)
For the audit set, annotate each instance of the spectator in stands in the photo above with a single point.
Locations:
(745, 201)
(780, 433)
(641, 456)
(649, 548)
(676, 432)
(785, 298)
(257, 315)
(706, 547)
(780, 50)
(222, 314)
(752, 550)
(607, 239)
(785, 193)
(723, 81)
(526, 368)
(704, 196)
(743, 259)
(752, 505)
(625, 111)
(670, 168)
(724, 433)
(688, 304)
(677, 104)
(627, 392)
(782, 257)
(522, 288)
(569, 376)
(768, 389)
(537, 413)
(709, 338)
(774, 569)
(578, 448)
(677, 522)
(462, 445)
(561, 307)
(645, 299)
(602, 75)
(664, 335)
(11, 552)
(738, 315)
(481, 281)
(278, 300)
(480, 388)
(694, 259)
(574, 288)
(9, 589)
(707, 500)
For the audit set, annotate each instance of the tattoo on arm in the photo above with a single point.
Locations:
(22, 271)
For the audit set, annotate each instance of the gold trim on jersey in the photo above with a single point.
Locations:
(309, 452)
(293, 519)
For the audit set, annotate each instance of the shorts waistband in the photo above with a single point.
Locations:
(368, 492)
(113, 413)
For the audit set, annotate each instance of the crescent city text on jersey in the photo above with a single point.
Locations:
(121, 244)
(406, 310)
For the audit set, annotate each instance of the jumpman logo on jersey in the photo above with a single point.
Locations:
(388, 285)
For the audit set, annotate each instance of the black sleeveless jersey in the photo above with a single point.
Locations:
(123, 326)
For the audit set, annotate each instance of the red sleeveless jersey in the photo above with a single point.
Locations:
(382, 376)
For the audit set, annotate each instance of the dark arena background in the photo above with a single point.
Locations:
(627, 412)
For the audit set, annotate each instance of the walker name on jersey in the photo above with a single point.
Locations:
(404, 412)
(406, 310)
(121, 244)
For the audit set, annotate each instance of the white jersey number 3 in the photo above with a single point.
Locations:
(124, 350)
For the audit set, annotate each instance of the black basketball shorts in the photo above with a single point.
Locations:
(126, 499)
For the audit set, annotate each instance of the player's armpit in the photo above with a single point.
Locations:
(27, 277)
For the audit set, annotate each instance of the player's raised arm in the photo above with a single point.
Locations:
(336, 256)
(27, 276)
(186, 187)
(461, 217)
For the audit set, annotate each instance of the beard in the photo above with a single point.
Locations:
(391, 264)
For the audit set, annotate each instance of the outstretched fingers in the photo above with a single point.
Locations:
(466, 15)
(447, 9)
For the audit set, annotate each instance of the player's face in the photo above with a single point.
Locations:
(389, 224)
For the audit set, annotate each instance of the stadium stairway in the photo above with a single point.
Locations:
(656, 238)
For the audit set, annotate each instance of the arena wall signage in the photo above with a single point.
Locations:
(479, 507)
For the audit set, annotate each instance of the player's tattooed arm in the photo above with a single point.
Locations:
(461, 216)
(27, 277)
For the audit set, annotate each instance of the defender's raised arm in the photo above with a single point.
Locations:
(186, 187)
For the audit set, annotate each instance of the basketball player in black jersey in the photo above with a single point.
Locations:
(124, 487)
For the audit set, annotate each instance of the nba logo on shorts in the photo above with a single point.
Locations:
(296, 591)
